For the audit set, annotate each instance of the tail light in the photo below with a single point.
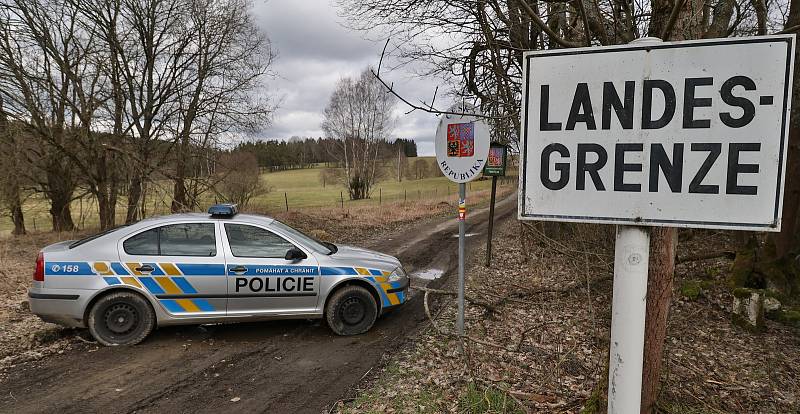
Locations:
(38, 274)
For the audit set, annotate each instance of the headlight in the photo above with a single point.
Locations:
(397, 274)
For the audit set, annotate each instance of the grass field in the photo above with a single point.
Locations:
(302, 188)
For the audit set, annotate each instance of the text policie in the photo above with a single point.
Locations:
(558, 158)
(289, 285)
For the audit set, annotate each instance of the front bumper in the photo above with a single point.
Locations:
(62, 306)
(401, 293)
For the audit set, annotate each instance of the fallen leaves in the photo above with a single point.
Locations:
(552, 308)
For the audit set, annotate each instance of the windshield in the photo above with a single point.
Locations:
(319, 246)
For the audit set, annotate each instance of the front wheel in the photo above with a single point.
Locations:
(121, 318)
(351, 311)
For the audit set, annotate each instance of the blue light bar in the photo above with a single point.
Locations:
(225, 210)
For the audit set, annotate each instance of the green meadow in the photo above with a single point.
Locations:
(301, 188)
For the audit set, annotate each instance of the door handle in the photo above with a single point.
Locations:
(144, 269)
(238, 269)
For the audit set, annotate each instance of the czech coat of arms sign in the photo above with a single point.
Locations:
(462, 146)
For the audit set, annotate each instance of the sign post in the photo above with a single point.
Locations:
(495, 167)
(462, 144)
(685, 134)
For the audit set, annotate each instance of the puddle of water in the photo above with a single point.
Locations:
(455, 236)
(428, 274)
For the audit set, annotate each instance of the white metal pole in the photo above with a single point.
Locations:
(628, 310)
(631, 257)
(462, 199)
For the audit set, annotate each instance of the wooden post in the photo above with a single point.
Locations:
(664, 242)
(491, 223)
(286, 200)
(380, 196)
(341, 196)
(405, 195)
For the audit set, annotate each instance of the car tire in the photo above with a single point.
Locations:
(121, 318)
(351, 311)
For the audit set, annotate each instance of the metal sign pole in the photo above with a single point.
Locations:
(631, 257)
(462, 201)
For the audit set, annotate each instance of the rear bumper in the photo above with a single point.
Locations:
(61, 306)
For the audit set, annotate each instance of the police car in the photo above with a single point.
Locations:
(210, 268)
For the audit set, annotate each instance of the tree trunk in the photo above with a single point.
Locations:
(771, 265)
(179, 189)
(59, 190)
(134, 196)
(61, 212)
(18, 218)
(105, 210)
(787, 240)
(663, 242)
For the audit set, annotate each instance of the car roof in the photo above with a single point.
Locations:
(247, 218)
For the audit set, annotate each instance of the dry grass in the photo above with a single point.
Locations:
(24, 336)
(545, 345)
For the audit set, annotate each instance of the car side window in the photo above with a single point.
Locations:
(251, 241)
(142, 244)
(189, 239)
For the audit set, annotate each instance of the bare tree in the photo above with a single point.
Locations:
(421, 168)
(38, 42)
(359, 116)
(225, 86)
(239, 178)
(11, 162)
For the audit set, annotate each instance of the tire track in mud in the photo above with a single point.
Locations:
(280, 366)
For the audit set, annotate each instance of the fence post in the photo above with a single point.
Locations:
(341, 196)
(286, 200)
(405, 195)
(380, 196)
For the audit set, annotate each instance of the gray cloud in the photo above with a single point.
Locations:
(314, 52)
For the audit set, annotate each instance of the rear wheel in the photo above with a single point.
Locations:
(351, 311)
(121, 318)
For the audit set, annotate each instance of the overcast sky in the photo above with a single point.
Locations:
(314, 52)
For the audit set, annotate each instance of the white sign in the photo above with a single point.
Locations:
(462, 146)
(686, 134)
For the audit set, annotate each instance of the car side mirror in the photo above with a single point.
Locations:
(295, 254)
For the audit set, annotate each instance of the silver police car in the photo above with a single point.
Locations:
(210, 268)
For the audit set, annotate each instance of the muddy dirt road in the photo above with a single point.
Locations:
(280, 367)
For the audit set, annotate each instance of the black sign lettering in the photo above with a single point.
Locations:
(672, 170)
(735, 168)
(749, 110)
(591, 168)
(544, 110)
(562, 167)
(624, 110)
(621, 167)
(647, 103)
(696, 186)
(690, 102)
(581, 110)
